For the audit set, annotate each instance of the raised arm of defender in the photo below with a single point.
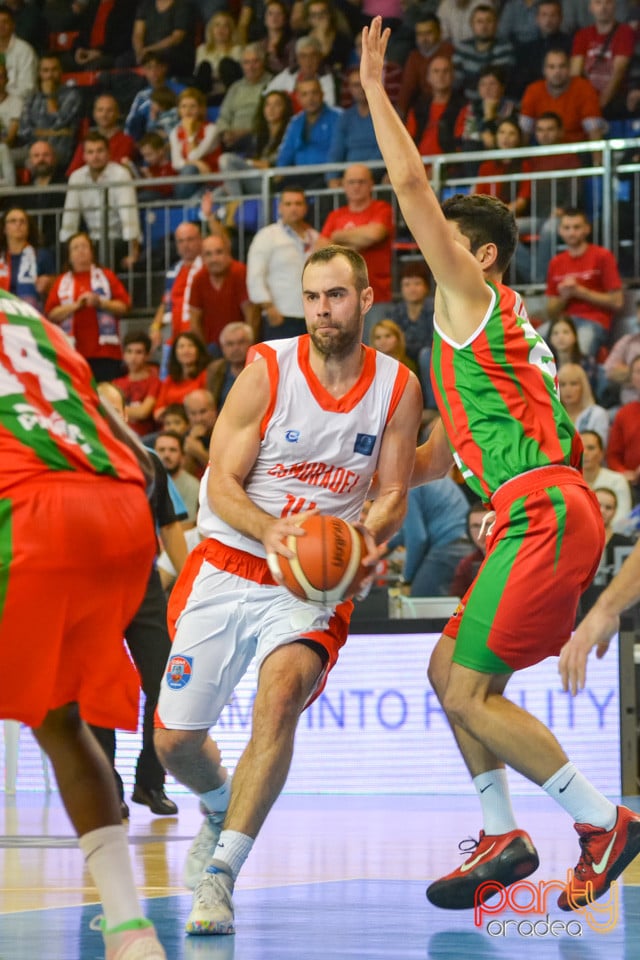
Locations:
(462, 296)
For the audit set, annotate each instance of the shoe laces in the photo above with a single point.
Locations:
(586, 856)
(211, 890)
(468, 846)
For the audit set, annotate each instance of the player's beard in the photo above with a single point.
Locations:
(339, 344)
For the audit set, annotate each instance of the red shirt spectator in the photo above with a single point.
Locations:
(218, 293)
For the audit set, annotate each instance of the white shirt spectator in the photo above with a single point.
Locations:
(275, 260)
(123, 221)
(286, 80)
(10, 110)
(455, 18)
(22, 67)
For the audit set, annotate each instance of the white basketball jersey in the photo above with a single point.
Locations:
(316, 451)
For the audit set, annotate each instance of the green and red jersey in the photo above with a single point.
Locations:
(50, 415)
(498, 398)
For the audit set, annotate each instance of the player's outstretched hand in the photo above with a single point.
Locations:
(596, 631)
(375, 553)
(374, 46)
(275, 535)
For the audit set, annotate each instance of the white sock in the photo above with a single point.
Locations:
(217, 801)
(579, 798)
(492, 788)
(232, 850)
(106, 852)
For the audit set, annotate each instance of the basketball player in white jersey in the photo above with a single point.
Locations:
(305, 426)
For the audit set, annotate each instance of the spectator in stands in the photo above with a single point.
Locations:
(574, 99)
(26, 268)
(140, 385)
(169, 447)
(275, 260)
(30, 23)
(218, 293)
(617, 366)
(550, 198)
(483, 48)
(7, 168)
(193, 142)
(19, 57)
(518, 21)
(155, 69)
(269, 125)
(515, 193)
(477, 122)
(43, 171)
(596, 475)
(202, 414)
(432, 119)
(354, 139)
(326, 26)
(167, 26)
(172, 316)
(365, 225)
(307, 66)
(414, 311)
(218, 58)
(52, 113)
(429, 44)
(578, 400)
(434, 535)
(105, 34)
(235, 340)
(308, 137)
(123, 223)
(602, 53)
(584, 282)
(467, 569)
(623, 449)
(10, 110)
(173, 417)
(188, 362)
(617, 549)
(238, 109)
(530, 54)
(577, 13)
(155, 162)
(562, 337)
(455, 19)
(106, 117)
(277, 41)
(87, 301)
(387, 337)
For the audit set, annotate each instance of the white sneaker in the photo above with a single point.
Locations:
(201, 850)
(212, 911)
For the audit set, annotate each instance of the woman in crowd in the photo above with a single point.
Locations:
(270, 123)
(562, 337)
(218, 58)
(193, 141)
(25, 268)
(388, 338)
(87, 301)
(330, 29)
(188, 363)
(277, 40)
(516, 194)
(578, 400)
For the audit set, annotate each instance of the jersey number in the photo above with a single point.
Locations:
(19, 345)
(296, 505)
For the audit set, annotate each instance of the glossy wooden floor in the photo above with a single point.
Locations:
(330, 878)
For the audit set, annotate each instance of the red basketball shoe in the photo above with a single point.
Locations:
(504, 858)
(603, 857)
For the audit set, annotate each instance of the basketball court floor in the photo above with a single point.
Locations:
(330, 878)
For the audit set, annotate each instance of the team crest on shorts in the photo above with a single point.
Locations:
(179, 671)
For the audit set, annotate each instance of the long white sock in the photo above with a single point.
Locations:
(579, 798)
(106, 852)
(232, 850)
(492, 788)
(217, 801)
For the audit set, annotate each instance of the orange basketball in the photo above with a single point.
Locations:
(326, 566)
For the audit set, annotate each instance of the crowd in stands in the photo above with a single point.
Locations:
(115, 94)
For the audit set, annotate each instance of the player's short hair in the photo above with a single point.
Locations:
(484, 219)
(355, 259)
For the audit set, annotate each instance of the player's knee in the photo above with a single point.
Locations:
(437, 677)
(456, 708)
(175, 748)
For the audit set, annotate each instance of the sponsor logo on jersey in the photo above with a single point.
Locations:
(292, 436)
(179, 671)
(365, 442)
